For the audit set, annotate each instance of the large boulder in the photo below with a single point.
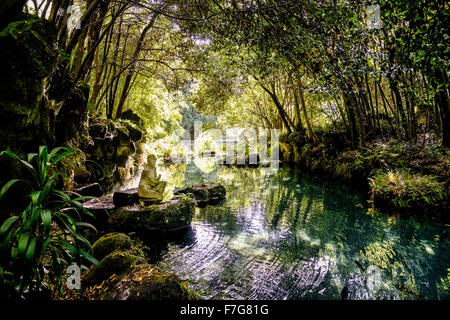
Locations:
(116, 254)
(210, 193)
(117, 262)
(71, 116)
(216, 192)
(27, 61)
(143, 282)
(171, 215)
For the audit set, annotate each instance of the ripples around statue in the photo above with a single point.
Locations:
(285, 236)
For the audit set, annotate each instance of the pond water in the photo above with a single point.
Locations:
(282, 235)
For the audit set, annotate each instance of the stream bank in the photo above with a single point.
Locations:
(399, 177)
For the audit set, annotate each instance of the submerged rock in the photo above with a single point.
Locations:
(168, 216)
(217, 193)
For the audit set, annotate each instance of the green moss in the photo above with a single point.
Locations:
(17, 27)
(117, 262)
(148, 283)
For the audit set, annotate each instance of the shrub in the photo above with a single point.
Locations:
(46, 236)
(404, 189)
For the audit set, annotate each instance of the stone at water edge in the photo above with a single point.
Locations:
(109, 243)
(117, 262)
(216, 192)
(210, 193)
(199, 192)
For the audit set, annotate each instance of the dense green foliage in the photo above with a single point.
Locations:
(294, 65)
(405, 188)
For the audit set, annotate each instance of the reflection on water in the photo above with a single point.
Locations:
(284, 236)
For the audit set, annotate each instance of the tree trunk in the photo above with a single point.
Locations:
(129, 76)
(278, 105)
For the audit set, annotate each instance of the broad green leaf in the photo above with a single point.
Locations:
(85, 224)
(31, 157)
(6, 242)
(44, 248)
(84, 240)
(90, 258)
(35, 197)
(63, 155)
(54, 152)
(46, 216)
(7, 186)
(45, 191)
(73, 251)
(35, 213)
(23, 243)
(7, 224)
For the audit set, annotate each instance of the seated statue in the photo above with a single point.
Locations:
(150, 187)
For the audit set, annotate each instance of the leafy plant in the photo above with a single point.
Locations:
(186, 196)
(46, 236)
(405, 188)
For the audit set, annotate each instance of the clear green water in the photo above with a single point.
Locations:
(286, 236)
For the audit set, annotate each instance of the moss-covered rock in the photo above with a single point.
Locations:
(132, 116)
(145, 282)
(168, 216)
(198, 192)
(216, 192)
(117, 262)
(109, 243)
(211, 193)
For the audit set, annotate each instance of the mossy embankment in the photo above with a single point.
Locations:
(399, 177)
